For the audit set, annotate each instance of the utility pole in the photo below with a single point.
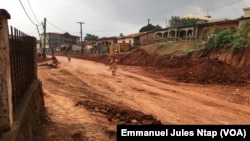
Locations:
(81, 34)
(44, 38)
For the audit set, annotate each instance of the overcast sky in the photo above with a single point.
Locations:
(106, 18)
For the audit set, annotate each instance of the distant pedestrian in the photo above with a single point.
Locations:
(69, 57)
(113, 64)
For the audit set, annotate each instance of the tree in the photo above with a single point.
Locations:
(121, 35)
(90, 37)
(176, 21)
(150, 27)
(157, 27)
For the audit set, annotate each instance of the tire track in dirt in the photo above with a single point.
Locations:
(84, 96)
(178, 90)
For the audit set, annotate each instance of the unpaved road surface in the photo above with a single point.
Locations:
(84, 101)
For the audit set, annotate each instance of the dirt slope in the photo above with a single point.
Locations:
(196, 67)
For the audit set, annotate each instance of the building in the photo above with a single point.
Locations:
(214, 26)
(204, 26)
(182, 32)
(175, 33)
(148, 38)
(106, 41)
(132, 39)
(54, 40)
(246, 12)
(100, 45)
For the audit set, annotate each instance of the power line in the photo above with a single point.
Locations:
(122, 9)
(140, 20)
(121, 5)
(172, 8)
(32, 11)
(26, 13)
(176, 7)
(205, 10)
(55, 26)
(30, 18)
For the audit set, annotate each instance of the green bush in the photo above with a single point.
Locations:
(233, 38)
(223, 38)
(245, 32)
(238, 41)
(230, 38)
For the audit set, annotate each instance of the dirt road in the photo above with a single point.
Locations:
(85, 102)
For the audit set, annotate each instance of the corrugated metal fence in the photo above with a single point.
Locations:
(23, 64)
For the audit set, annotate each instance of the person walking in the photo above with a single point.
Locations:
(69, 57)
(113, 64)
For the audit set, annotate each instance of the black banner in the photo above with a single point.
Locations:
(175, 132)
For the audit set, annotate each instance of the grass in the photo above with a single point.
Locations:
(174, 48)
(194, 47)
